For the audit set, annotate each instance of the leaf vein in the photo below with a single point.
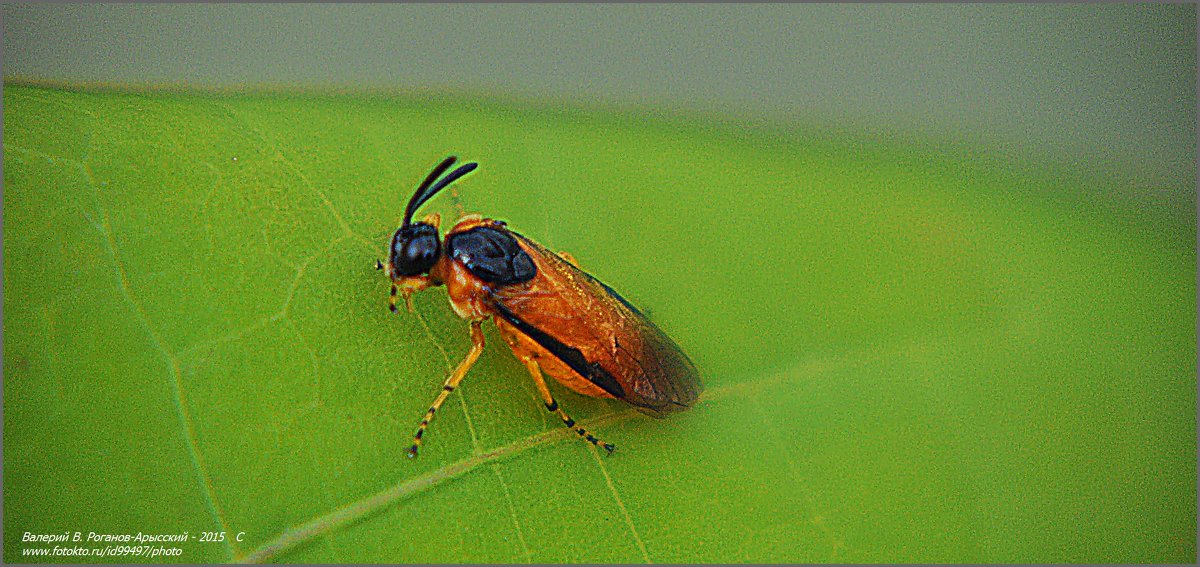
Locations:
(199, 467)
(620, 504)
(326, 202)
(475, 446)
(366, 507)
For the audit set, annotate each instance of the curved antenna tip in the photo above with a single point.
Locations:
(429, 187)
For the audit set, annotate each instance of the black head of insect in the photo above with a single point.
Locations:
(415, 246)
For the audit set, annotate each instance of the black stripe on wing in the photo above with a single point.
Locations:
(570, 356)
(670, 384)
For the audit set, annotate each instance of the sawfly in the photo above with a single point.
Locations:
(556, 318)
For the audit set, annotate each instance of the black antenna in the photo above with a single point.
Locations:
(420, 197)
(426, 191)
(452, 177)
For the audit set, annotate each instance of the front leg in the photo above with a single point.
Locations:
(451, 383)
(408, 286)
(405, 285)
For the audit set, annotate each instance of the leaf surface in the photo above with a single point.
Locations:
(910, 354)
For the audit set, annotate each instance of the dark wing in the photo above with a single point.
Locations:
(598, 334)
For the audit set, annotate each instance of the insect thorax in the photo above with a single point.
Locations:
(491, 254)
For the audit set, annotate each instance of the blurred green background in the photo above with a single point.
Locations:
(1110, 87)
(936, 264)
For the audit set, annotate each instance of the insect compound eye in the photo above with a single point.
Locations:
(415, 248)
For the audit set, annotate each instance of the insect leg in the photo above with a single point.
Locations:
(454, 198)
(569, 258)
(434, 219)
(552, 405)
(451, 383)
(407, 287)
(379, 265)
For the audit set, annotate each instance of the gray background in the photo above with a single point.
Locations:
(1111, 87)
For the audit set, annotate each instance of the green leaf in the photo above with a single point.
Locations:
(912, 353)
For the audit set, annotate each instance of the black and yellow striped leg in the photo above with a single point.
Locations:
(451, 383)
(379, 265)
(552, 405)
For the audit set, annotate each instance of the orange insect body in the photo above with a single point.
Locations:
(555, 317)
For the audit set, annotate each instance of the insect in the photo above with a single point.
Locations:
(557, 319)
